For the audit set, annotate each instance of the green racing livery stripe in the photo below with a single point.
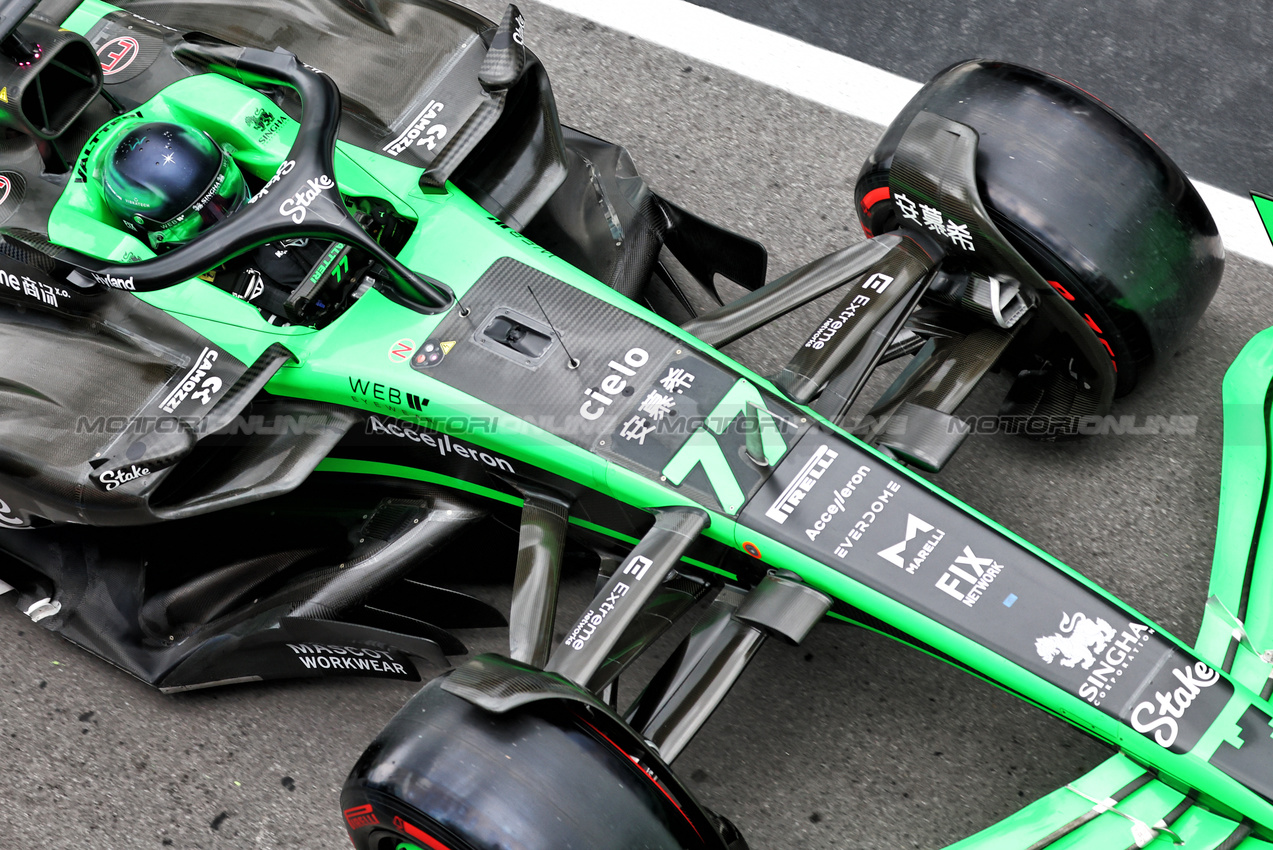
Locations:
(86, 14)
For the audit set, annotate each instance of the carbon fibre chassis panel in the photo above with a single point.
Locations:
(622, 361)
(85, 381)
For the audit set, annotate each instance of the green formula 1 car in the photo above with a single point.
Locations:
(324, 328)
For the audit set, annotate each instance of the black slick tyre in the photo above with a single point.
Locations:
(448, 775)
(1092, 203)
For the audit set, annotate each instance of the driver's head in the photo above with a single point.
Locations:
(170, 183)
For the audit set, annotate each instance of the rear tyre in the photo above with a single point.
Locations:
(1089, 201)
(447, 775)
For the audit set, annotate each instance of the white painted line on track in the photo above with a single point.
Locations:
(835, 81)
(776, 60)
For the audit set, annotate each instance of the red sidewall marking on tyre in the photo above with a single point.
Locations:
(1091, 323)
(873, 197)
(653, 781)
(419, 834)
(1065, 293)
(360, 816)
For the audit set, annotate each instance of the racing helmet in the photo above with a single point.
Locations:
(171, 183)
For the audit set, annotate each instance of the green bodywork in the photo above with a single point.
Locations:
(456, 241)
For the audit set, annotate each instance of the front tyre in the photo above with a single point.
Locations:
(447, 775)
(1092, 203)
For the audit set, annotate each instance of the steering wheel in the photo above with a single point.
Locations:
(301, 200)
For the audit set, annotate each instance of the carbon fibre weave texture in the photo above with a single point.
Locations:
(51, 377)
(550, 394)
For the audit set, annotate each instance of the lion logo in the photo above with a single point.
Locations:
(1078, 642)
(260, 119)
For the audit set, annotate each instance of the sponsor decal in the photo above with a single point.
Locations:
(1159, 718)
(526, 241)
(196, 383)
(204, 198)
(592, 618)
(829, 328)
(602, 396)
(112, 478)
(636, 428)
(259, 119)
(5, 186)
(657, 406)
(318, 656)
(914, 527)
(878, 281)
(421, 132)
(677, 380)
(1096, 646)
(877, 507)
(442, 442)
(401, 350)
(297, 206)
(39, 290)
(804, 480)
(117, 54)
(125, 283)
(978, 573)
(839, 502)
(1077, 642)
(638, 567)
(373, 391)
(266, 123)
(359, 816)
(284, 169)
(932, 219)
(8, 517)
